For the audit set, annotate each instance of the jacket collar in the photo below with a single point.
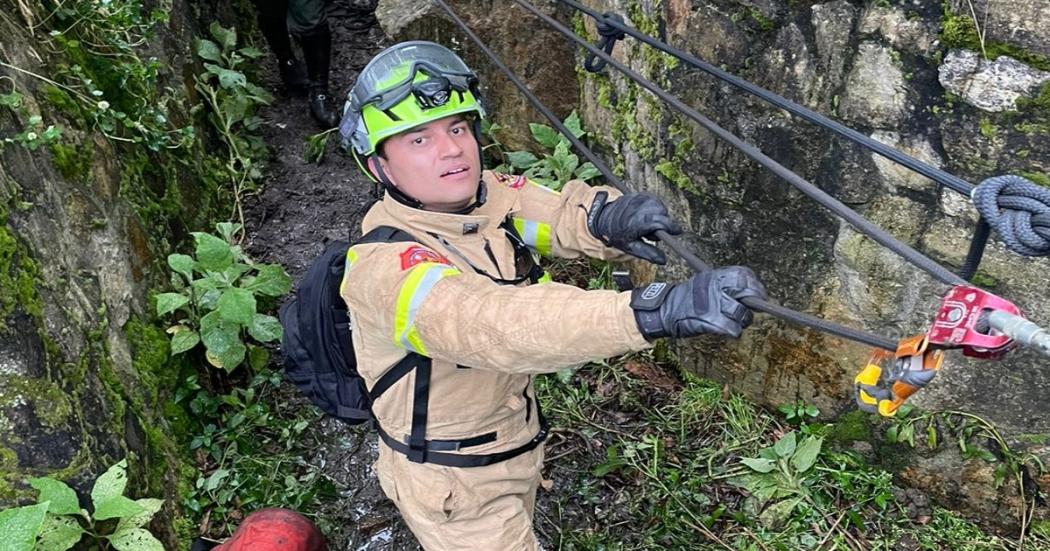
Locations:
(478, 221)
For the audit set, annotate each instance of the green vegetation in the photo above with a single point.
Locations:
(648, 461)
(556, 167)
(250, 445)
(960, 31)
(216, 301)
(57, 523)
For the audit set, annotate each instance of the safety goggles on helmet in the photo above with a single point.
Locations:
(405, 86)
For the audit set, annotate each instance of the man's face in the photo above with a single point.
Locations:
(437, 163)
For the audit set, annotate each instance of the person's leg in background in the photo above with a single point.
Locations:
(273, 22)
(308, 21)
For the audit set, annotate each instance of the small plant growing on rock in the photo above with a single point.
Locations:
(57, 523)
(216, 302)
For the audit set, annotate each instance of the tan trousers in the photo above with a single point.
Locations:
(450, 508)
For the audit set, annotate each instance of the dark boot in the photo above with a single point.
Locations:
(273, 22)
(317, 51)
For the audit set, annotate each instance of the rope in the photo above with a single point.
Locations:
(673, 243)
(609, 36)
(929, 171)
(862, 224)
(1019, 210)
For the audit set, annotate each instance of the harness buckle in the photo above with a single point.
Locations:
(962, 323)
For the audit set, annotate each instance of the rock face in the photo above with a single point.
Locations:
(1020, 22)
(515, 35)
(84, 376)
(989, 85)
(877, 68)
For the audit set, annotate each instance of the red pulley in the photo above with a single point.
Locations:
(957, 323)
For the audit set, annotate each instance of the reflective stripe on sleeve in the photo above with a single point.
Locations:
(414, 290)
(351, 257)
(536, 235)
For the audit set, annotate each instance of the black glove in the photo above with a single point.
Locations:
(709, 302)
(623, 222)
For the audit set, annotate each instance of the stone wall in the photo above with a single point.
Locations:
(85, 226)
(899, 72)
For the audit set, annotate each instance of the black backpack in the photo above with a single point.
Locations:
(319, 355)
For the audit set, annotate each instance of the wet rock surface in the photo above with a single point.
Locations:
(990, 85)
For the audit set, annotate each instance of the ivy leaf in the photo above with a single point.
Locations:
(59, 533)
(169, 302)
(63, 499)
(184, 340)
(271, 281)
(545, 135)
(182, 264)
(573, 124)
(806, 454)
(19, 526)
(226, 37)
(149, 506)
(265, 328)
(759, 465)
(111, 484)
(236, 306)
(213, 254)
(785, 446)
(521, 159)
(135, 539)
(209, 50)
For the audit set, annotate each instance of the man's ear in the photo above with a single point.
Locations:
(377, 165)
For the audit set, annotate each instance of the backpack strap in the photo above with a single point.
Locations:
(385, 234)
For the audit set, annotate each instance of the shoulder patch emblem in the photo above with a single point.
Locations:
(510, 180)
(417, 255)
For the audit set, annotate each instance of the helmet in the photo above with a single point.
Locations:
(275, 530)
(404, 86)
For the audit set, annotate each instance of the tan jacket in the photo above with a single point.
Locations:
(486, 340)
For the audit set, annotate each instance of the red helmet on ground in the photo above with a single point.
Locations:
(275, 530)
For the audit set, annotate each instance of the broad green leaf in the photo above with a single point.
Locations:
(182, 264)
(212, 252)
(227, 38)
(785, 446)
(232, 357)
(149, 506)
(231, 79)
(59, 533)
(234, 272)
(236, 306)
(135, 539)
(19, 526)
(111, 484)
(545, 135)
(215, 479)
(271, 281)
(521, 159)
(227, 230)
(185, 340)
(573, 124)
(315, 147)
(258, 357)
(758, 464)
(806, 454)
(587, 171)
(265, 328)
(169, 302)
(218, 335)
(250, 52)
(931, 436)
(116, 507)
(63, 499)
(209, 50)
(775, 515)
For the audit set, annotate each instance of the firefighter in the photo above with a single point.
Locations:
(453, 324)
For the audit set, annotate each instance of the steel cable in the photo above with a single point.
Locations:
(673, 243)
